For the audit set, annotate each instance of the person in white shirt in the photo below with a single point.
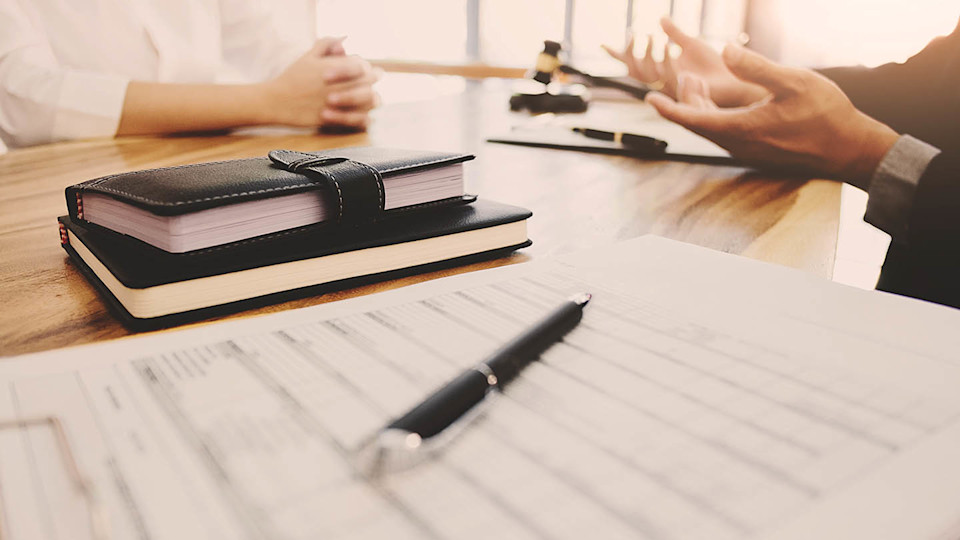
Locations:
(73, 69)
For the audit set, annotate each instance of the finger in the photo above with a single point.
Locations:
(647, 66)
(625, 56)
(690, 91)
(365, 81)
(648, 53)
(693, 90)
(703, 91)
(702, 121)
(675, 34)
(752, 67)
(345, 118)
(329, 46)
(668, 70)
(668, 108)
(628, 49)
(614, 53)
(360, 98)
(686, 90)
(345, 68)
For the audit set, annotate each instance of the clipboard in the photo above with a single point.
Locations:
(554, 131)
(564, 139)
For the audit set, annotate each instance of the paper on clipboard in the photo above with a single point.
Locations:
(554, 131)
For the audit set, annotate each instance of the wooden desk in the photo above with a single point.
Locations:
(579, 200)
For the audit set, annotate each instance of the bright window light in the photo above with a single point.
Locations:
(426, 30)
(868, 32)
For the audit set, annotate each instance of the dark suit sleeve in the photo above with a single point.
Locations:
(918, 97)
(927, 265)
(935, 215)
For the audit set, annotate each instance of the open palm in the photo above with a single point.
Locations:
(696, 57)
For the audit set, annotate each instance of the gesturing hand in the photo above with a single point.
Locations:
(324, 87)
(646, 69)
(696, 57)
(806, 121)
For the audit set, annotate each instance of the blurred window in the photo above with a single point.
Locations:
(868, 32)
(426, 30)
(511, 32)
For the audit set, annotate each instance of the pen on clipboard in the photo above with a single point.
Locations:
(457, 397)
(640, 143)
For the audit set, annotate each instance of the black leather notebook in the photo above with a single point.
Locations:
(180, 209)
(150, 288)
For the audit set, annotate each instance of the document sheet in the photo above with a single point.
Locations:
(702, 396)
(614, 117)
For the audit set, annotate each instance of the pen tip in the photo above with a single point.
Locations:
(581, 299)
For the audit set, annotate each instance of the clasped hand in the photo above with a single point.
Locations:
(323, 87)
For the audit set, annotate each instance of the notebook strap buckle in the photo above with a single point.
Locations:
(358, 187)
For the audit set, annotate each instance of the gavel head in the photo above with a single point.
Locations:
(547, 62)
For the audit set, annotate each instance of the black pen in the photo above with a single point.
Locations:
(458, 396)
(630, 140)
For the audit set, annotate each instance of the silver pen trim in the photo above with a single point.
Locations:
(581, 299)
(485, 370)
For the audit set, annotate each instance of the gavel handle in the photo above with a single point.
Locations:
(637, 90)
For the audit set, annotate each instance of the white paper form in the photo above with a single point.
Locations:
(702, 396)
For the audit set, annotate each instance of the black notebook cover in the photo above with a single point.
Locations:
(138, 265)
(188, 188)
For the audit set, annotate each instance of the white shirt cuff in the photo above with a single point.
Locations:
(89, 105)
(894, 184)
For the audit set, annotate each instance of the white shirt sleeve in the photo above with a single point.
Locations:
(42, 101)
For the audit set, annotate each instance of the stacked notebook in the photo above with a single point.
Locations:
(167, 246)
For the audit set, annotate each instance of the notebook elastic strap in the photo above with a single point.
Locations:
(358, 187)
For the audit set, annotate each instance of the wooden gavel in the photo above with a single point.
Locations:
(548, 63)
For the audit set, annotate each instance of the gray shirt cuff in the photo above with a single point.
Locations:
(894, 184)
